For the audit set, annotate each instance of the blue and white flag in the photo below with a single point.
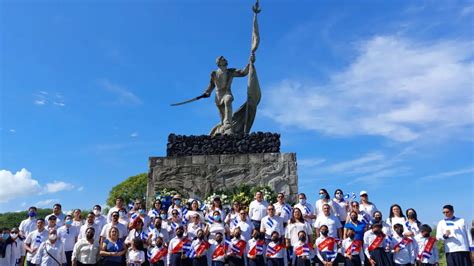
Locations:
(155, 213)
(210, 219)
(330, 255)
(131, 205)
(134, 215)
(235, 222)
(187, 247)
(144, 236)
(287, 209)
(270, 222)
(307, 210)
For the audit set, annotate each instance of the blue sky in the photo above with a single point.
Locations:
(370, 95)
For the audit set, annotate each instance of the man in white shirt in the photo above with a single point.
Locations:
(271, 223)
(99, 219)
(34, 240)
(118, 206)
(57, 211)
(329, 220)
(282, 209)
(68, 236)
(246, 227)
(29, 224)
(90, 222)
(457, 238)
(257, 209)
(305, 208)
(123, 231)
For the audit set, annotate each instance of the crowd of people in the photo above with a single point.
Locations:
(337, 231)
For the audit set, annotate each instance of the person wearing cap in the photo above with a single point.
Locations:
(68, 235)
(365, 205)
(57, 211)
(457, 239)
(176, 205)
(376, 246)
(258, 209)
(52, 225)
(34, 240)
(99, 219)
(29, 224)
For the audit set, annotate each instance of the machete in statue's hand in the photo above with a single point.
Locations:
(204, 95)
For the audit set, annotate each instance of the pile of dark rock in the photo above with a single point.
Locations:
(258, 142)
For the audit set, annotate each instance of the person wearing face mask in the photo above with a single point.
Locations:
(99, 219)
(326, 247)
(276, 251)
(29, 224)
(457, 239)
(50, 252)
(176, 206)
(157, 254)
(123, 232)
(90, 223)
(258, 209)
(200, 247)
(158, 231)
(427, 249)
(34, 240)
(352, 249)
(255, 249)
(68, 235)
(5, 247)
(236, 249)
(412, 224)
(217, 250)
(303, 251)
(386, 228)
(305, 208)
(324, 198)
(86, 251)
(341, 206)
(376, 246)
(216, 224)
(15, 249)
(403, 248)
(177, 248)
(355, 225)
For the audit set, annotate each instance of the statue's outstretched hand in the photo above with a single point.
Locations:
(206, 95)
(252, 58)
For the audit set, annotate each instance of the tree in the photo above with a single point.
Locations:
(13, 219)
(132, 188)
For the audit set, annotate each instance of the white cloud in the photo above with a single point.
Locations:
(134, 135)
(22, 184)
(311, 162)
(44, 98)
(17, 185)
(396, 88)
(57, 186)
(81, 188)
(46, 203)
(467, 10)
(11, 130)
(443, 175)
(124, 95)
(60, 104)
(40, 102)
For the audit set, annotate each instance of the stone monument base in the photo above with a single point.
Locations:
(198, 176)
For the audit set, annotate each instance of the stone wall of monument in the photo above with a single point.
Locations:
(200, 175)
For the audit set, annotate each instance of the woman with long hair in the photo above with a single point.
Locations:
(295, 225)
(412, 225)
(395, 216)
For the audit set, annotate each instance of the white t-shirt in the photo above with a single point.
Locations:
(27, 226)
(34, 239)
(257, 210)
(271, 224)
(68, 237)
(123, 231)
(135, 256)
(459, 238)
(331, 221)
(292, 230)
(341, 208)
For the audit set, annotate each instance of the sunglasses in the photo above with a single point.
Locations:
(174, 214)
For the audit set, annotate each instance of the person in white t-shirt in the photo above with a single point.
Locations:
(305, 208)
(119, 205)
(324, 198)
(271, 223)
(396, 216)
(28, 225)
(332, 222)
(365, 205)
(282, 209)
(68, 236)
(99, 219)
(341, 206)
(57, 211)
(457, 238)
(257, 209)
(135, 254)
